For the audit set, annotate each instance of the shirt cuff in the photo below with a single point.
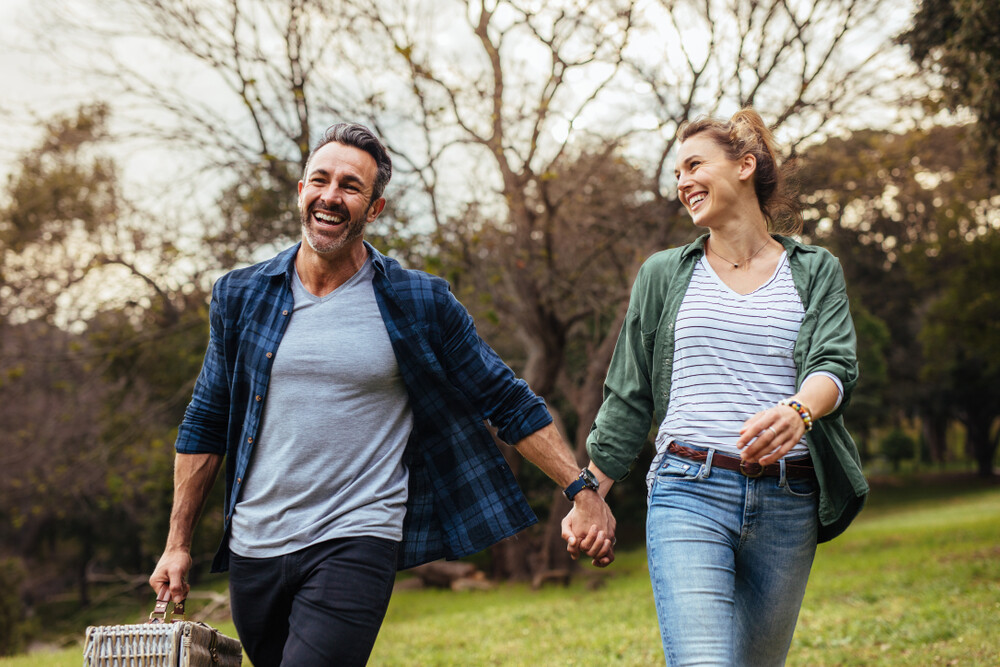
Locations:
(836, 381)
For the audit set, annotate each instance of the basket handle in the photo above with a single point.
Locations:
(161, 615)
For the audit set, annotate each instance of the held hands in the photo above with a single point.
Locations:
(590, 528)
(169, 579)
(770, 434)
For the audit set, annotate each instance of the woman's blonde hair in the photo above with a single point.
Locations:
(746, 133)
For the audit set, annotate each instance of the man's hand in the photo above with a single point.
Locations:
(590, 528)
(170, 575)
(194, 475)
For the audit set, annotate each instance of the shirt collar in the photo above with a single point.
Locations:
(284, 262)
(698, 245)
(791, 245)
(280, 264)
(378, 259)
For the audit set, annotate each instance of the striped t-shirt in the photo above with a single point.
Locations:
(732, 358)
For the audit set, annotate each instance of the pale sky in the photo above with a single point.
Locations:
(33, 86)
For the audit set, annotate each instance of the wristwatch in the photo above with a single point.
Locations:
(586, 480)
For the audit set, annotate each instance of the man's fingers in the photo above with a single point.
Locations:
(572, 547)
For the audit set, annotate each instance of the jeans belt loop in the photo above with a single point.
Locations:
(781, 478)
(708, 462)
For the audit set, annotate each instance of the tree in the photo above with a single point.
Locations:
(525, 89)
(897, 447)
(67, 232)
(959, 42)
(89, 375)
(521, 132)
(234, 97)
(960, 345)
(870, 398)
(907, 214)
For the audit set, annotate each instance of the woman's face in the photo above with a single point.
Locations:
(711, 186)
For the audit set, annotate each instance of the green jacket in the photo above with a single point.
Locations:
(637, 388)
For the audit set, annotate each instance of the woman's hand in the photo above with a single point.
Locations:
(584, 536)
(770, 434)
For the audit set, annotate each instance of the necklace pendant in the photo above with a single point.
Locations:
(736, 266)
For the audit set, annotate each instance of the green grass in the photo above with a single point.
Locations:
(915, 581)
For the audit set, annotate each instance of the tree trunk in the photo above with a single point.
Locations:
(984, 448)
(934, 426)
(510, 557)
(586, 402)
(86, 553)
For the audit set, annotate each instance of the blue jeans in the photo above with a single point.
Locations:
(729, 557)
(320, 606)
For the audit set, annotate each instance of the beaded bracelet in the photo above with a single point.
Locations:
(803, 411)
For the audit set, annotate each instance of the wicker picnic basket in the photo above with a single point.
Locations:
(162, 642)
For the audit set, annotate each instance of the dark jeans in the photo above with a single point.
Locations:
(319, 606)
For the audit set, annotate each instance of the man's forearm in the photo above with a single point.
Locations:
(547, 450)
(194, 476)
(590, 527)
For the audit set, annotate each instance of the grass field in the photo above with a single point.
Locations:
(915, 581)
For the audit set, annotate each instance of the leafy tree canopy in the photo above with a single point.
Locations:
(960, 41)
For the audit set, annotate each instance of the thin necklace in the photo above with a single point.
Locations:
(736, 265)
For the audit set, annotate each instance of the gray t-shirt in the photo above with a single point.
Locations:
(328, 461)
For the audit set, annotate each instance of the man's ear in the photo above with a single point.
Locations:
(376, 208)
(748, 166)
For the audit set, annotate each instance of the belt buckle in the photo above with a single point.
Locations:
(752, 470)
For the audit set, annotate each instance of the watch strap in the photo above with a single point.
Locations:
(586, 480)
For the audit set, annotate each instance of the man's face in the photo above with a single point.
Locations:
(335, 198)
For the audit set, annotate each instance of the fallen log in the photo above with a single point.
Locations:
(454, 575)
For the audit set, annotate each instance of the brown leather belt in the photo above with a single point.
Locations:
(798, 468)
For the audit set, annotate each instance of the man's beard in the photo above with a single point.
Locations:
(323, 244)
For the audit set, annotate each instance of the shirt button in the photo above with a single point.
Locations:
(249, 439)
(257, 397)
(239, 480)
(284, 312)
(269, 355)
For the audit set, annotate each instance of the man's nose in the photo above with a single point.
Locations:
(332, 193)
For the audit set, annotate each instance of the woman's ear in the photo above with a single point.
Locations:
(748, 165)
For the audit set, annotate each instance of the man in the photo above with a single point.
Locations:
(347, 396)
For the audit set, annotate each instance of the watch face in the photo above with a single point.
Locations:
(589, 479)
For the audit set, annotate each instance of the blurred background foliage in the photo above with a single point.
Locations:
(533, 146)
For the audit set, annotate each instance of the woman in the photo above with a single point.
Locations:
(740, 348)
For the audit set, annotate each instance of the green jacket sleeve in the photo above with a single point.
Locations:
(624, 419)
(830, 343)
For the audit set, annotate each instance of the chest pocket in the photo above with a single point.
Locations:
(779, 346)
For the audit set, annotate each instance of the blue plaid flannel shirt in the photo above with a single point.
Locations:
(462, 494)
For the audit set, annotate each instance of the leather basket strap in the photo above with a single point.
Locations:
(162, 612)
